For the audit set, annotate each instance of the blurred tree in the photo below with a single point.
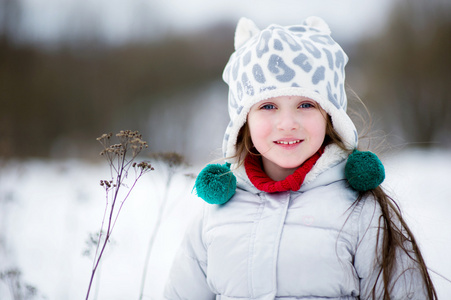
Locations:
(10, 18)
(409, 71)
(72, 94)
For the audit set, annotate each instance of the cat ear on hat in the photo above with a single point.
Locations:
(317, 23)
(245, 29)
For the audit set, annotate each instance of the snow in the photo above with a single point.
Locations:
(49, 208)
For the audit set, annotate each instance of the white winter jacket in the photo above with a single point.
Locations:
(309, 244)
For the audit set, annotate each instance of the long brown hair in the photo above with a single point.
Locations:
(397, 235)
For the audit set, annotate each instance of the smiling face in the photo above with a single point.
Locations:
(286, 131)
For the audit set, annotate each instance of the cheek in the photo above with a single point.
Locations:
(317, 129)
(260, 130)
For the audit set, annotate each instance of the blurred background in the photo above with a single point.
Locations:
(71, 70)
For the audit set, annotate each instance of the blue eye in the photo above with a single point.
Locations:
(267, 106)
(306, 105)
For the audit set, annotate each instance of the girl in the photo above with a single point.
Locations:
(301, 215)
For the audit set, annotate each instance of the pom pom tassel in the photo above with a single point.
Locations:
(216, 184)
(364, 171)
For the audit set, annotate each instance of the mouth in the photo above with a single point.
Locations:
(288, 142)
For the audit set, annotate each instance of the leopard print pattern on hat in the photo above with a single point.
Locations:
(299, 60)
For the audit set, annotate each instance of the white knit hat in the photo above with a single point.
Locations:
(298, 60)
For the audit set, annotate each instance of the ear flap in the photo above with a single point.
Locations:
(245, 29)
(318, 23)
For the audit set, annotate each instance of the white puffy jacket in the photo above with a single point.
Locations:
(309, 244)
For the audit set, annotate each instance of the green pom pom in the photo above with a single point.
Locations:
(364, 171)
(216, 184)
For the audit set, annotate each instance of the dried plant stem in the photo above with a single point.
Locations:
(172, 161)
(123, 201)
(120, 163)
(151, 242)
(101, 228)
(108, 231)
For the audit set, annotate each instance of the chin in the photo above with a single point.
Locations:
(290, 165)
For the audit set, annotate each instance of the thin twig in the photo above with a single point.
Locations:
(116, 156)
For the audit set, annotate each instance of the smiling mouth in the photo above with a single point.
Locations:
(288, 142)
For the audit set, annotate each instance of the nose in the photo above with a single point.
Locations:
(288, 121)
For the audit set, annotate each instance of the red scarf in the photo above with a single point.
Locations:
(293, 182)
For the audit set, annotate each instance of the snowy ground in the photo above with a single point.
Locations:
(48, 209)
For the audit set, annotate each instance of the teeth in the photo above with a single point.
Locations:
(288, 143)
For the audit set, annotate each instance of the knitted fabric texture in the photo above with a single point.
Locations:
(216, 184)
(364, 171)
(299, 60)
(293, 182)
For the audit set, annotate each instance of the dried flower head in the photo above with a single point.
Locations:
(130, 142)
(120, 157)
(105, 137)
(172, 159)
(145, 166)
